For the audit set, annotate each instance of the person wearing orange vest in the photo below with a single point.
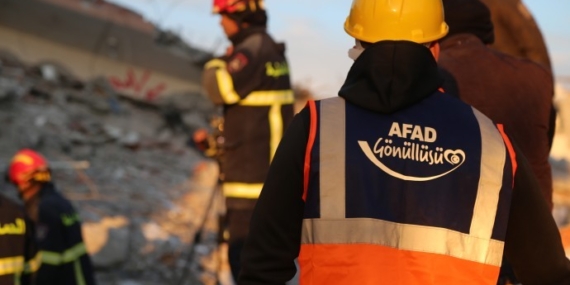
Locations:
(396, 182)
(64, 258)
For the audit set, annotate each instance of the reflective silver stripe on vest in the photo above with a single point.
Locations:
(334, 228)
(332, 158)
(404, 237)
(491, 180)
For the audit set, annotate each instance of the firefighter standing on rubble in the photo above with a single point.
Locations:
(397, 182)
(18, 256)
(58, 228)
(252, 83)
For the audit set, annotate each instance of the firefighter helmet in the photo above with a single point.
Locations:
(420, 21)
(237, 6)
(28, 165)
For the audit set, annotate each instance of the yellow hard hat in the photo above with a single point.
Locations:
(420, 21)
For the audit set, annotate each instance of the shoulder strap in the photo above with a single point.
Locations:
(511, 149)
(312, 135)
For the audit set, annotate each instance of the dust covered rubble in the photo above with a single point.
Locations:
(139, 199)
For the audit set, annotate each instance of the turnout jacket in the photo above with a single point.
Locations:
(253, 85)
(18, 256)
(390, 79)
(58, 233)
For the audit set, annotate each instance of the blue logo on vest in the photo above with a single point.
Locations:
(418, 146)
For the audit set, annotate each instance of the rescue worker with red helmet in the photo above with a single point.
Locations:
(58, 227)
(252, 84)
(18, 255)
(397, 182)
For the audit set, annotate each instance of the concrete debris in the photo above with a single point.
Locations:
(126, 166)
(128, 282)
(153, 232)
(107, 241)
(10, 89)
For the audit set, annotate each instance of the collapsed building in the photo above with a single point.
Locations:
(93, 38)
(111, 100)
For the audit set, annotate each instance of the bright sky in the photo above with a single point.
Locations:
(313, 31)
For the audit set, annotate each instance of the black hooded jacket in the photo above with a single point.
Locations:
(391, 76)
(386, 78)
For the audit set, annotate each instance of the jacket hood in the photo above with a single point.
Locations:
(391, 75)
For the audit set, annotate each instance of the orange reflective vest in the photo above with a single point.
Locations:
(416, 197)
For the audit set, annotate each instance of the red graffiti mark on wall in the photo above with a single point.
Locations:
(152, 93)
(138, 85)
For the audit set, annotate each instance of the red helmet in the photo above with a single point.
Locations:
(237, 6)
(28, 165)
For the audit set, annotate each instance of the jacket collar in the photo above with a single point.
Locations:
(460, 39)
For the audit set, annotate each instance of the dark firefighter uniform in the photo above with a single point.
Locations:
(64, 256)
(18, 257)
(253, 86)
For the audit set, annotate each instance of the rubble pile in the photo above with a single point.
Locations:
(125, 165)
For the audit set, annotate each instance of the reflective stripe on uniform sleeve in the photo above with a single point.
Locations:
(242, 190)
(225, 81)
(79, 278)
(72, 254)
(226, 86)
(33, 264)
(215, 63)
(11, 265)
